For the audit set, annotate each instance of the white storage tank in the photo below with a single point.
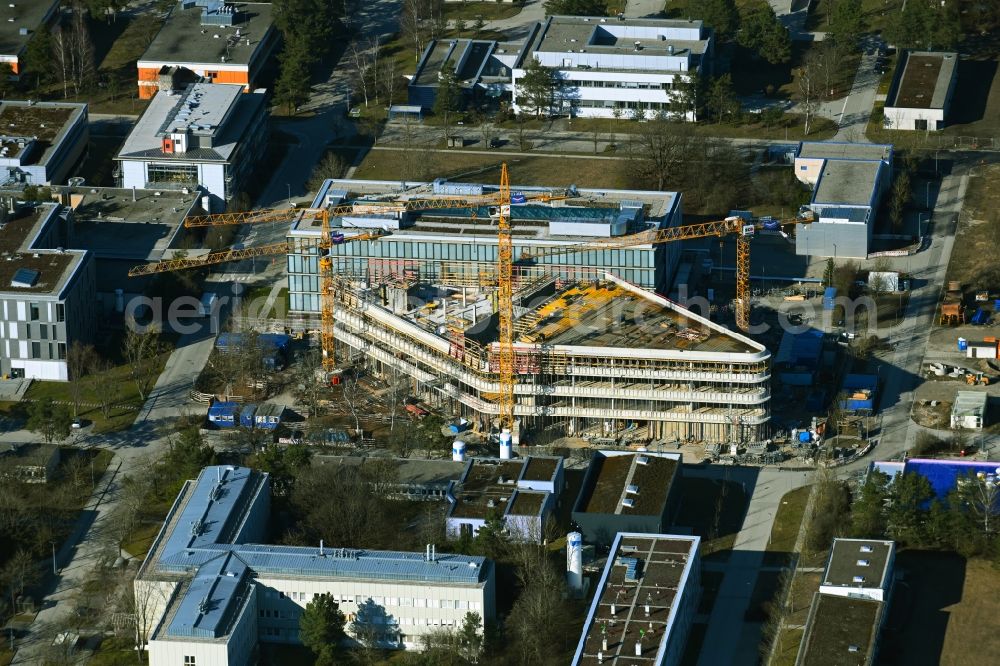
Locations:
(574, 561)
(506, 445)
(458, 451)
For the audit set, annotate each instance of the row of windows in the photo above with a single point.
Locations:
(385, 602)
(53, 349)
(630, 85)
(35, 312)
(387, 249)
(627, 106)
(172, 173)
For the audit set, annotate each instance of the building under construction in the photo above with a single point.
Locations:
(597, 352)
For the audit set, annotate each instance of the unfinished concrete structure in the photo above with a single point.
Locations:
(603, 359)
(598, 353)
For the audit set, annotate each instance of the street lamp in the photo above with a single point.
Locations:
(928, 194)
(289, 185)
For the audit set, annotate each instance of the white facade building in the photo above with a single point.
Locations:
(922, 89)
(209, 136)
(602, 64)
(206, 595)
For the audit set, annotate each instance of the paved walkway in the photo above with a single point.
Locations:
(730, 639)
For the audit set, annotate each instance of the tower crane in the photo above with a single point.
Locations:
(328, 239)
(743, 228)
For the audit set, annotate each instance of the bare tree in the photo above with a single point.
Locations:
(144, 602)
(363, 66)
(81, 360)
(389, 79)
(20, 572)
(140, 349)
(351, 395)
(807, 91)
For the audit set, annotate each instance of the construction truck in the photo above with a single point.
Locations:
(976, 379)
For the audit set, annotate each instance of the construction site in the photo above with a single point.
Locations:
(541, 317)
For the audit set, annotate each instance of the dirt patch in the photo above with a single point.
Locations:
(932, 413)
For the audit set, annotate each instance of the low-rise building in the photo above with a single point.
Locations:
(627, 492)
(40, 142)
(28, 463)
(210, 41)
(969, 410)
(859, 568)
(921, 92)
(208, 594)
(19, 21)
(207, 136)
(482, 69)
(850, 608)
(645, 602)
(602, 64)
(522, 494)
(47, 293)
(848, 181)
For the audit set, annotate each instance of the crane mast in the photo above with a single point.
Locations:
(505, 304)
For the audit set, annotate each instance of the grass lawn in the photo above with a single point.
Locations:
(470, 11)
(544, 170)
(114, 651)
(791, 127)
(940, 608)
(788, 520)
(141, 539)
(972, 258)
(117, 379)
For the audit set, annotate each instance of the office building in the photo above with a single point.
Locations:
(627, 492)
(603, 64)
(521, 493)
(482, 70)
(19, 21)
(40, 142)
(47, 293)
(209, 593)
(206, 136)
(645, 602)
(922, 89)
(848, 181)
(850, 608)
(210, 41)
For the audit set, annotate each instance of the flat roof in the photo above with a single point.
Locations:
(224, 108)
(943, 475)
(16, 252)
(595, 34)
(214, 505)
(843, 150)
(851, 558)
(46, 122)
(615, 473)
(641, 569)
(486, 487)
(109, 223)
(540, 468)
(526, 503)
(183, 40)
(847, 182)
(28, 454)
(14, 16)
(970, 403)
(925, 80)
(841, 631)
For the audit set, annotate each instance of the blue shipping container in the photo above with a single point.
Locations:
(246, 416)
(223, 414)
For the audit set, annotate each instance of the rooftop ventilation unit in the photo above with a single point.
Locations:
(867, 549)
(854, 648)
(864, 563)
(859, 579)
(628, 502)
(632, 489)
(642, 460)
